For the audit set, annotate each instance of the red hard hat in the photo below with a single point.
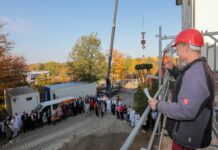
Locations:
(190, 36)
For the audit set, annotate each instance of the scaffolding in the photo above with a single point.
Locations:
(163, 92)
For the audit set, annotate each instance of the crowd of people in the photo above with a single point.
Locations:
(131, 116)
(13, 125)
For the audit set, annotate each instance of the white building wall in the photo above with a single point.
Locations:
(21, 104)
(206, 14)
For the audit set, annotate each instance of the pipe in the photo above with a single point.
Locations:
(160, 57)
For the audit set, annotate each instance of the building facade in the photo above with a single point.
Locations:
(31, 76)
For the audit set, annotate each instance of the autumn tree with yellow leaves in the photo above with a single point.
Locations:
(123, 67)
(118, 66)
(57, 72)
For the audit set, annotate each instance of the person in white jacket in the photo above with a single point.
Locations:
(137, 118)
(132, 117)
(108, 102)
(14, 125)
(129, 112)
(19, 121)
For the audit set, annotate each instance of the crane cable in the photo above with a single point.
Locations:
(143, 41)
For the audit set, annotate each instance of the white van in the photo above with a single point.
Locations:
(52, 110)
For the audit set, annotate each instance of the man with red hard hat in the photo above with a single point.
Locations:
(189, 114)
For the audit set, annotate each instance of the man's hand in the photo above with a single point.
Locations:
(169, 65)
(153, 104)
(168, 62)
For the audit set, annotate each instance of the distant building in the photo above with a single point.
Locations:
(21, 99)
(31, 76)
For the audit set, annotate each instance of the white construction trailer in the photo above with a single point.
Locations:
(75, 89)
(21, 99)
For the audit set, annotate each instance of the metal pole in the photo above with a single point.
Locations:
(215, 65)
(154, 132)
(215, 127)
(111, 47)
(160, 56)
(207, 53)
(210, 33)
(193, 13)
(160, 62)
(216, 40)
(158, 121)
(168, 37)
(5, 98)
(162, 132)
(163, 94)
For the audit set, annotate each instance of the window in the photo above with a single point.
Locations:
(47, 109)
(29, 98)
(14, 100)
(39, 107)
(54, 96)
(55, 106)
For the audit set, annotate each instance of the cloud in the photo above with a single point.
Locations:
(16, 25)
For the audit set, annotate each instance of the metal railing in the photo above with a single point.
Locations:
(215, 127)
(162, 132)
(157, 123)
(135, 130)
(215, 130)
